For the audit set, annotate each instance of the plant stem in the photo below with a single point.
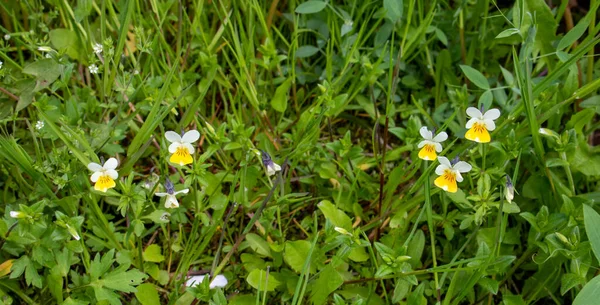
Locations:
(431, 229)
(563, 156)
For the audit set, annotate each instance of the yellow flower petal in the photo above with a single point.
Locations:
(104, 183)
(478, 133)
(428, 152)
(181, 156)
(447, 182)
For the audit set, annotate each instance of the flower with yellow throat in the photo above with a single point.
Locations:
(181, 146)
(104, 175)
(481, 124)
(430, 145)
(449, 173)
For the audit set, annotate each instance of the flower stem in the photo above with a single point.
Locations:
(483, 154)
(431, 229)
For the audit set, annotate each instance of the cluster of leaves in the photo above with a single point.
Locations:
(336, 92)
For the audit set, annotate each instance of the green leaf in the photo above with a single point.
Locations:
(258, 244)
(570, 280)
(591, 221)
(486, 99)
(310, 7)
(358, 254)
(337, 217)
(306, 51)
(153, 254)
(83, 9)
(258, 280)
(147, 295)
(46, 71)
(329, 280)
(393, 9)
(124, 281)
(476, 77)
(65, 40)
(574, 34)
(590, 293)
(280, 98)
(296, 253)
(415, 249)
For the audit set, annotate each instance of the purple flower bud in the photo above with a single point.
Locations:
(266, 158)
(170, 188)
(455, 160)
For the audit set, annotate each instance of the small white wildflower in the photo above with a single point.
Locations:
(48, 55)
(39, 125)
(93, 69)
(342, 231)
(6, 37)
(171, 201)
(97, 48)
(271, 166)
(17, 214)
(136, 72)
(219, 281)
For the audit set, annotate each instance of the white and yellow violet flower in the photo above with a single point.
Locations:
(171, 200)
(104, 176)
(220, 281)
(271, 166)
(449, 173)
(430, 145)
(181, 146)
(481, 124)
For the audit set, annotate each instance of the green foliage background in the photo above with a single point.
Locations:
(336, 93)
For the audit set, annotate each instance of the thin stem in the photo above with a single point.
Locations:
(431, 229)
(563, 156)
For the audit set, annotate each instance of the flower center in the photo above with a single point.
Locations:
(479, 127)
(449, 176)
(181, 156)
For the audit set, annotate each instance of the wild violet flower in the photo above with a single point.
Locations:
(104, 176)
(181, 146)
(449, 173)
(430, 145)
(480, 124)
(171, 201)
(271, 166)
(220, 281)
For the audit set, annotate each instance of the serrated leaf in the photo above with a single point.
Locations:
(475, 77)
(310, 7)
(124, 281)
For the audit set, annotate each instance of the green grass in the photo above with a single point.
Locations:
(336, 93)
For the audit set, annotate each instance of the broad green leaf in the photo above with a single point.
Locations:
(393, 9)
(46, 71)
(310, 7)
(569, 281)
(476, 77)
(415, 249)
(358, 254)
(306, 51)
(258, 279)
(147, 295)
(153, 254)
(124, 281)
(591, 221)
(590, 294)
(258, 244)
(280, 98)
(65, 40)
(337, 217)
(574, 34)
(486, 99)
(296, 253)
(329, 280)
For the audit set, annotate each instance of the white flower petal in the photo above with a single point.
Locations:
(195, 280)
(459, 177)
(219, 281)
(184, 191)
(471, 122)
(441, 137)
(113, 174)
(15, 214)
(173, 147)
(94, 167)
(438, 147)
(111, 163)
(426, 133)
(190, 136)
(189, 147)
(161, 194)
(474, 113)
(489, 124)
(462, 167)
(171, 202)
(444, 161)
(440, 169)
(172, 136)
(423, 143)
(96, 175)
(492, 114)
